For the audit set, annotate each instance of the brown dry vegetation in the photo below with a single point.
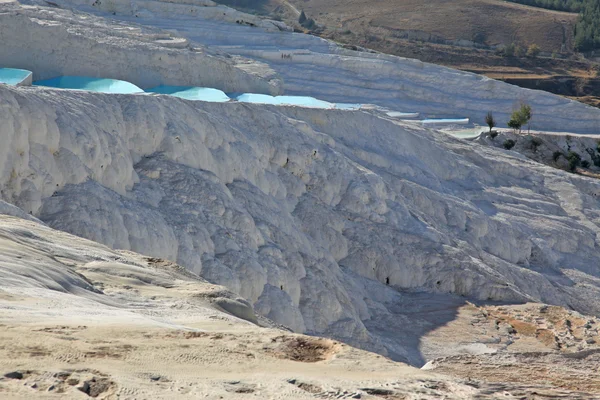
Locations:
(491, 21)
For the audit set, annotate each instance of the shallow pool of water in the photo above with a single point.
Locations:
(448, 121)
(192, 93)
(13, 76)
(91, 84)
(405, 115)
(303, 101)
(256, 98)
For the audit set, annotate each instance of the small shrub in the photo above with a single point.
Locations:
(533, 50)
(509, 144)
(309, 24)
(536, 142)
(574, 160)
(480, 37)
(585, 164)
(519, 51)
(490, 121)
(556, 155)
(509, 50)
(493, 134)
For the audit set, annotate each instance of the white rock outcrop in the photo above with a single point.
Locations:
(320, 218)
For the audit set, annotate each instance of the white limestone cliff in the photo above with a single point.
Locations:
(309, 214)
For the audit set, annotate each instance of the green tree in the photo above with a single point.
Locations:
(520, 117)
(574, 160)
(302, 18)
(490, 121)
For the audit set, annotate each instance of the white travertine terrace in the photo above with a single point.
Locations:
(319, 218)
(320, 68)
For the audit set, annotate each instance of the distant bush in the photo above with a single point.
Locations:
(559, 5)
(585, 164)
(556, 155)
(533, 50)
(519, 51)
(309, 24)
(574, 160)
(509, 144)
(480, 38)
(493, 134)
(509, 50)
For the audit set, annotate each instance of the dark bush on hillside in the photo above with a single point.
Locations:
(574, 160)
(509, 144)
(536, 142)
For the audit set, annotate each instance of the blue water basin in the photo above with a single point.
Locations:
(192, 93)
(448, 121)
(91, 84)
(256, 98)
(303, 101)
(13, 76)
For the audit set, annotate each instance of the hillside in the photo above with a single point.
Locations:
(223, 246)
(460, 34)
(487, 22)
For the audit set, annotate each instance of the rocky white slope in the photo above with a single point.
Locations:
(338, 223)
(320, 218)
(319, 68)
